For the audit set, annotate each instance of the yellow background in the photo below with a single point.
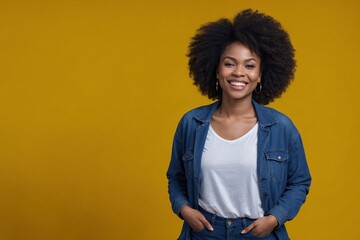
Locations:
(91, 92)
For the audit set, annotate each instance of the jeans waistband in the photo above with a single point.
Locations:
(214, 219)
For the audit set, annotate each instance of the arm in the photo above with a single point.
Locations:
(177, 183)
(294, 195)
(178, 186)
(297, 186)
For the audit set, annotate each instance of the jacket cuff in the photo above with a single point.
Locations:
(178, 206)
(279, 213)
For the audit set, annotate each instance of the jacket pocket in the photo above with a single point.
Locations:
(277, 164)
(278, 156)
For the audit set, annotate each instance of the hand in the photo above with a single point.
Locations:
(195, 219)
(262, 226)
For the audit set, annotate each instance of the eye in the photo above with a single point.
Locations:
(250, 66)
(229, 64)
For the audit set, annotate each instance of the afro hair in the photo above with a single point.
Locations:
(261, 34)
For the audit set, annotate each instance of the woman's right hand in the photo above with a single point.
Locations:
(195, 219)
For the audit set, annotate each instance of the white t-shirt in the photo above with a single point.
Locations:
(228, 183)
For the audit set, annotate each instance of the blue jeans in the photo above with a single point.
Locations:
(227, 229)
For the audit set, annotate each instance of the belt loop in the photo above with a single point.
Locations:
(213, 217)
(244, 222)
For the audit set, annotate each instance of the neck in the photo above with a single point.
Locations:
(236, 108)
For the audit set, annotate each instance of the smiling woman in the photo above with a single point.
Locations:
(91, 91)
(238, 169)
(262, 35)
(239, 72)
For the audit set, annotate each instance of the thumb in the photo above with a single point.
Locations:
(206, 223)
(248, 228)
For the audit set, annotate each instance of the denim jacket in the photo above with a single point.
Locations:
(283, 173)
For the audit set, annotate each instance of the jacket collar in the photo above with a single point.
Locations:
(205, 113)
(265, 118)
(264, 115)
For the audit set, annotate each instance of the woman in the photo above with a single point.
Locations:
(238, 169)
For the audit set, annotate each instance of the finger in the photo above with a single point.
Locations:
(197, 225)
(248, 228)
(206, 224)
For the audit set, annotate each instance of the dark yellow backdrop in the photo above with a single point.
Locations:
(91, 92)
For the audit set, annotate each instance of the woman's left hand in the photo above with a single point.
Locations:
(262, 226)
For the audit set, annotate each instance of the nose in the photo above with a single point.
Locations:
(238, 72)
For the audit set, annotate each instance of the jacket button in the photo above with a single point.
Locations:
(279, 157)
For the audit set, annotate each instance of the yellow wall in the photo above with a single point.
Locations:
(91, 92)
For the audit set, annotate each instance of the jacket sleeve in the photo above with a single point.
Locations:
(177, 183)
(297, 186)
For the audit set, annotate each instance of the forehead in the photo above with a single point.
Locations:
(239, 51)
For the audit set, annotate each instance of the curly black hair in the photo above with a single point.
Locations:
(261, 34)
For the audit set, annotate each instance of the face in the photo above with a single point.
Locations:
(238, 72)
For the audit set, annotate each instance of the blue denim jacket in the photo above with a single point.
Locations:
(283, 173)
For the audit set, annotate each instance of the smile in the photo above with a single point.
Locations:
(237, 83)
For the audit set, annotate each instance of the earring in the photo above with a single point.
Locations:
(217, 86)
(258, 88)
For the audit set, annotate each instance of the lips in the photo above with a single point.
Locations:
(237, 83)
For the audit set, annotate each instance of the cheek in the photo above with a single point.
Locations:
(253, 85)
(223, 73)
(254, 77)
(221, 82)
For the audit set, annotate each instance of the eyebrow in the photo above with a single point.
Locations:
(234, 59)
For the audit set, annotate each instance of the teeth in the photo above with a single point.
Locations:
(238, 84)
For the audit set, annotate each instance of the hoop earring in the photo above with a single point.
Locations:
(258, 88)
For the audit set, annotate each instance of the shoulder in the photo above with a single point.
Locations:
(276, 118)
(201, 113)
(280, 125)
(280, 117)
(195, 117)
